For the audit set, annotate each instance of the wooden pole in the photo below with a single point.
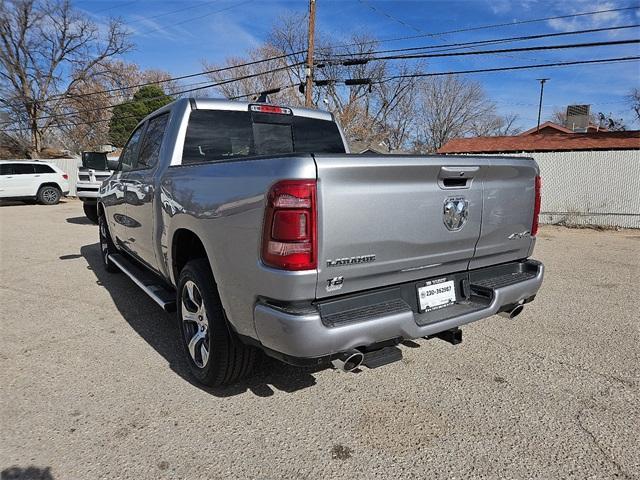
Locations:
(542, 82)
(308, 100)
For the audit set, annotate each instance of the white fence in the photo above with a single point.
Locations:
(70, 166)
(600, 188)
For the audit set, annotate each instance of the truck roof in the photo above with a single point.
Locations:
(224, 104)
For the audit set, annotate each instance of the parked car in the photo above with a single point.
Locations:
(256, 226)
(96, 168)
(32, 180)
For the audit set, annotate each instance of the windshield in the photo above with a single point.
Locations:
(216, 135)
(95, 160)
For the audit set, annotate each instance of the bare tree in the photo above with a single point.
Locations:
(48, 48)
(450, 106)
(495, 125)
(634, 99)
(379, 112)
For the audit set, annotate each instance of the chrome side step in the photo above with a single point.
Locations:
(147, 282)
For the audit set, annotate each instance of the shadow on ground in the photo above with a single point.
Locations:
(80, 221)
(28, 473)
(22, 203)
(159, 330)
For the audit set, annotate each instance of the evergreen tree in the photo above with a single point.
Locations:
(127, 115)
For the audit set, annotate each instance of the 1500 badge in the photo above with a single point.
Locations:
(351, 260)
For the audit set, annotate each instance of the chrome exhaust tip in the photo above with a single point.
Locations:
(512, 311)
(348, 361)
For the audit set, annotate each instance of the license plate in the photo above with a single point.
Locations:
(436, 294)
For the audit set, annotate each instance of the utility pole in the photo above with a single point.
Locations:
(308, 92)
(542, 82)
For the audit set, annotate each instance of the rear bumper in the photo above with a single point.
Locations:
(323, 329)
(87, 191)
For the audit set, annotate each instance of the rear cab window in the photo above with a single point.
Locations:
(219, 135)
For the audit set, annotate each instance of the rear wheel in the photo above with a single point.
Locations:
(215, 354)
(91, 211)
(107, 246)
(49, 195)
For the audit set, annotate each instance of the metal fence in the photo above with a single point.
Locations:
(70, 166)
(600, 188)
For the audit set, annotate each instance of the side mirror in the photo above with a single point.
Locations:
(113, 164)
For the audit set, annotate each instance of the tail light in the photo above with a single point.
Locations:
(289, 240)
(270, 109)
(536, 206)
(65, 176)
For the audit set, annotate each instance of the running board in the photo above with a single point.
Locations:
(148, 282)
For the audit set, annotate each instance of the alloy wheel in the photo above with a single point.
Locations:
(49, 195)
(195, 324)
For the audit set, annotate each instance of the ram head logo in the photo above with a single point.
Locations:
(455, 213)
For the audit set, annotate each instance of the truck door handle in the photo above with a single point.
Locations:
(456, 177)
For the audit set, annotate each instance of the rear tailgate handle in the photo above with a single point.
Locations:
(456, 177)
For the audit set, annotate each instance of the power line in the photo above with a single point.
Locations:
(385, 14)
(170, 79)
(602, 61)
(190, 7)
(57, 97)
(485, 27)
(359, 61)
(494, 40)
(197, 18)
(518, 67)
(211, 85)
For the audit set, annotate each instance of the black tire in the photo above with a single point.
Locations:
(49, 195)
(90, 211)
(228, 359)
(107, 246)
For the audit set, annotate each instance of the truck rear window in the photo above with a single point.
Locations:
(217, 135)
(95, 160)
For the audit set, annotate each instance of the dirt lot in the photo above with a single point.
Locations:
(93, 385)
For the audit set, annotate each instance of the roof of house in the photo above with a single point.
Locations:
(548, 126)
(545, 143)
(552, 128)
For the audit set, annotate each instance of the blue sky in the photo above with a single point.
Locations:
(213, 30)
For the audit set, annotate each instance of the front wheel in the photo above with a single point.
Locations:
(107, 246)
(91, 211)
(49, 195)
(215, 354)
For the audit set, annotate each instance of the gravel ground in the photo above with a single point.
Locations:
(94, 385)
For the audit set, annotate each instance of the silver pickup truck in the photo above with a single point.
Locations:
(256, 226)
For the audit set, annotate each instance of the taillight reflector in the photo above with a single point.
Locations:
(65, 176)
(289, 237)
(536, 206)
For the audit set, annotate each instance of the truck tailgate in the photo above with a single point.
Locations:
(382, 219)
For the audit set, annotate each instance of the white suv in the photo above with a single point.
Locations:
(31, 179)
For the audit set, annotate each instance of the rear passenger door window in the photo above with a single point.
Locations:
(129, 156)
(23, 169)
(150, 147)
